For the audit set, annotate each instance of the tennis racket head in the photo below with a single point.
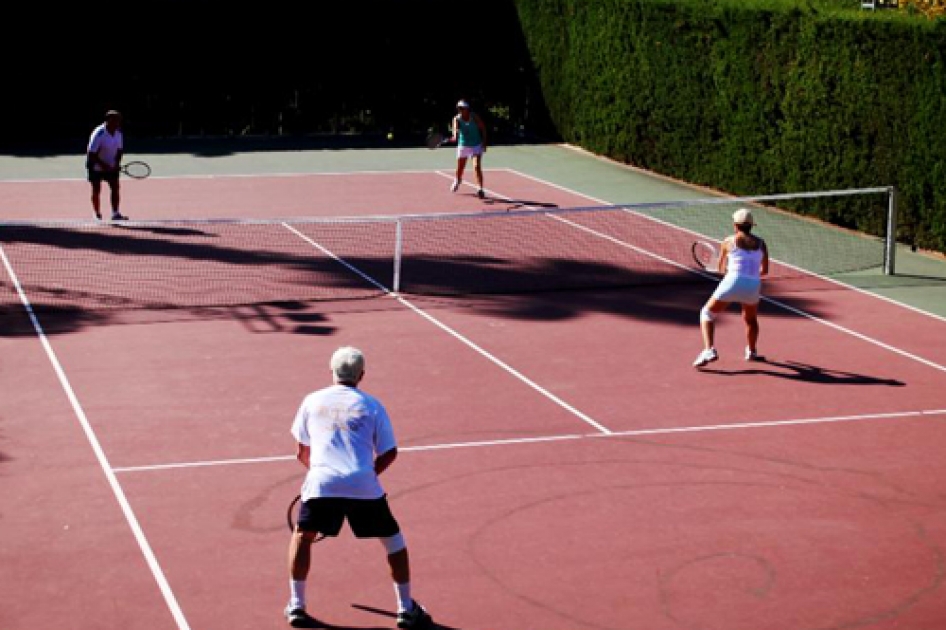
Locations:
(705, 255)
(434, 139)
(292, 513)
(292, 517)
(136, 169)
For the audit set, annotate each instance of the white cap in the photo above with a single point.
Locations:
(742, 217)
(463, 104)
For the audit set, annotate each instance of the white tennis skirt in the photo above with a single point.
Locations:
(468, 152)
(738, 289)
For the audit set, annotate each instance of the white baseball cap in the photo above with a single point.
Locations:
(463, 105)
(742, 217)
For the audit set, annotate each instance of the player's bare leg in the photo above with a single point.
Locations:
(97, 199)
(458, 177)
(478, 170)
(751, 318)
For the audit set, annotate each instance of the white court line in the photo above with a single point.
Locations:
(117, 490)
(558, 401)
(564, 437)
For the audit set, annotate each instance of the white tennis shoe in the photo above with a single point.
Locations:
(707, 356)
(455, 185)
(752, 355)
(299, 618)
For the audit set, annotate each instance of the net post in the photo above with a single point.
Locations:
(398, 235)
(890, 244)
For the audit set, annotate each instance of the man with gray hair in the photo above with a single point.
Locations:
(345, 440)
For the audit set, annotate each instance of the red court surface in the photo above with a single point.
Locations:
(562, 467)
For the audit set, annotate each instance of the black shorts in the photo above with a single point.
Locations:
(97, 176)
(368, 518)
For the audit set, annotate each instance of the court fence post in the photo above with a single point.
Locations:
(396, 282)
(890, 249)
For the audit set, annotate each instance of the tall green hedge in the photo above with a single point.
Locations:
(755, 96)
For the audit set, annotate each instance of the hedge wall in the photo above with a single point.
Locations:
(755, 97)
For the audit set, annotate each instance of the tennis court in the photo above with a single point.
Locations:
(562, 464)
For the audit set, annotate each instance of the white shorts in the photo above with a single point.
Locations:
(738, 289)
(468, 152)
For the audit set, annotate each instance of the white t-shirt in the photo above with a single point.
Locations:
(106, 144)
(345, 429)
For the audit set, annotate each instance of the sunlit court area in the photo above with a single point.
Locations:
(598, 315)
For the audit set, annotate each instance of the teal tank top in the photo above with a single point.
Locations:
(468, 132)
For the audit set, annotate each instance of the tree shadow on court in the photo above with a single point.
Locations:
(90, 276)
(807, 373)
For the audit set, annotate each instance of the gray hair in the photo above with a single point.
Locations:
(348, 364)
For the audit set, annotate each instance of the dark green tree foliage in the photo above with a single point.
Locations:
(755, 97)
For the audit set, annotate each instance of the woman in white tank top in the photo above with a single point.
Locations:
(744, 260)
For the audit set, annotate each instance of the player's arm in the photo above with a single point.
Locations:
(384, 460)
(454, 130)
(303, 453)
(764, 271)
(93, 156)
(92, 152)
(723, 256)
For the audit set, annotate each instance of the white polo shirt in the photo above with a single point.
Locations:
(345, 429)
(106, 144)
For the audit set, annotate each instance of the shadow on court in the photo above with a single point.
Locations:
(517, 204)
(324, 625)
(78, 278)
(387, 613)
(807, 373)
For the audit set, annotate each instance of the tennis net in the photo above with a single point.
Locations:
(62, 265)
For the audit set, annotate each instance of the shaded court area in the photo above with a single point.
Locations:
(562, 464)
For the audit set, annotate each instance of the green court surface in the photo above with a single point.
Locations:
(919, 282)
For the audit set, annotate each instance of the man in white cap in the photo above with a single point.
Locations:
(345, 440)
(469, 133)
(744, 259)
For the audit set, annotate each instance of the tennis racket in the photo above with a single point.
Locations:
(705, 256)
(136, 169)
(292, 516)
(436, 139)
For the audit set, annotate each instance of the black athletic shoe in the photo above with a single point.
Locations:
(416, 617)
(481, 193)
(117, 216)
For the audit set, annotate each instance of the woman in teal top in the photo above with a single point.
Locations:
(469, 133)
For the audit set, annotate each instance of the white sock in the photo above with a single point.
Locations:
(403, 592)
(296, 593)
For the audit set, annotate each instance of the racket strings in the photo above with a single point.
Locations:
(434, 140)
(137, 169)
